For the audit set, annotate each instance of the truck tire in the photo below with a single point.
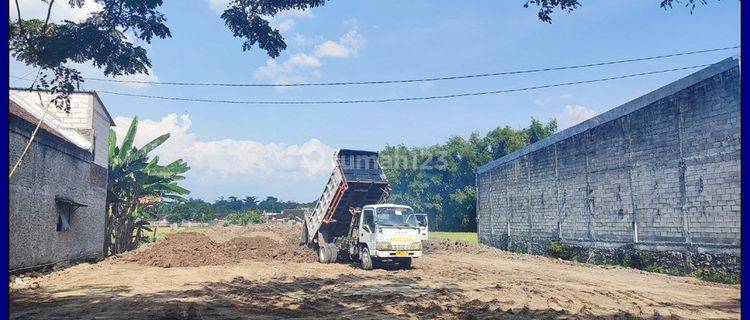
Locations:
(323, 255)
(333, 253)
(303, 236)
(405, 263)
(365, 259)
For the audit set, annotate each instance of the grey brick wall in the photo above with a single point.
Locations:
(661, 171)
(53, 167)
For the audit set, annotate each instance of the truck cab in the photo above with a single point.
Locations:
(388, 233)
(424, 225)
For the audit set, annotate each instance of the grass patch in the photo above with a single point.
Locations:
(716, 277)
(162, 232)
(466, 236)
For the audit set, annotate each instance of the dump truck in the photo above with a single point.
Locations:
(352, 222)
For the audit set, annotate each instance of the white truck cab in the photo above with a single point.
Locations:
(424, 225)
(388, 232)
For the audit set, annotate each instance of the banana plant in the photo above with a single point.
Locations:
(132, 176)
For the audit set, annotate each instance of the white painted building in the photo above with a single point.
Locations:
(87, 116)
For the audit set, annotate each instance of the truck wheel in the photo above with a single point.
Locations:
(323, 255)
(405, 263)
(365, 259)
(303, 237)
(333, 252)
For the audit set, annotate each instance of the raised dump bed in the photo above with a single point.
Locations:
(357, 180)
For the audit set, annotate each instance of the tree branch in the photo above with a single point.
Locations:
(20, 23)
(49, 12)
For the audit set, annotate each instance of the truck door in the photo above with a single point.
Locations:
(367, 229)
(423, 225)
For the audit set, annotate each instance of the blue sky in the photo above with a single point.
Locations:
(284, 150)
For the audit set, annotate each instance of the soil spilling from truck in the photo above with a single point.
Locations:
(193, 249)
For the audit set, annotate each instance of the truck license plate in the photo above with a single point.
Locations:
(402, 253)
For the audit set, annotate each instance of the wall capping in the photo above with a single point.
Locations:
(620, 111)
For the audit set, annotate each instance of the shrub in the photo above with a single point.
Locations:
(716, 276)
(560, 250)
(245, 217)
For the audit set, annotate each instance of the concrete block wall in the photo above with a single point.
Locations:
(100, 134)
(53, 167)
(87, 115)
(661, 172)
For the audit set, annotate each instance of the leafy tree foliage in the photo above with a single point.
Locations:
(248, 19)
(440, 180)
(135, 181)
(547, 7)
(245, 217)
(100, 38)
(199, 210)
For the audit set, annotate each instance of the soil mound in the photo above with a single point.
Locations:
(434, 245)
(192, 249)
(181, 249)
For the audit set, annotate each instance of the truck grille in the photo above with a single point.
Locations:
(401, 246)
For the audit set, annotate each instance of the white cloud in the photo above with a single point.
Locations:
(301, 66)
(218, 6)
(353, 40)
(332, 49)
(574, 114)
(301, 40)
(295, 13)
(61, 10)
(285, 25)
(302, 59)
(348, 45)
(241, 167)
(296, 68)
(566, 96)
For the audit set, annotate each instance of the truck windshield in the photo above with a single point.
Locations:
(396, 217)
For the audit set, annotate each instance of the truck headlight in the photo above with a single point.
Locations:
(416, 245)
(383, 246)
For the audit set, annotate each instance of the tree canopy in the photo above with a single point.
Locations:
(101, 40)
(200, 210)
(440, 180)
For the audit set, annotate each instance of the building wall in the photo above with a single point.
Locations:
(660, 172)
(86, 115)
(100, 125)
(53, 167)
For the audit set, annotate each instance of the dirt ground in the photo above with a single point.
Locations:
(241, 273)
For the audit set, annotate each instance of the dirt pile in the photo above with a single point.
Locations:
(181, 249)
(192, 249)
(438, 245)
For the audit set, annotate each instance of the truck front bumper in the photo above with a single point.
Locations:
(398, 254)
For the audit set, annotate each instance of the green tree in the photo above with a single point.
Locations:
(440, 179)
(245, 217)
(133, 175)
(547, 7)
(100, 39)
